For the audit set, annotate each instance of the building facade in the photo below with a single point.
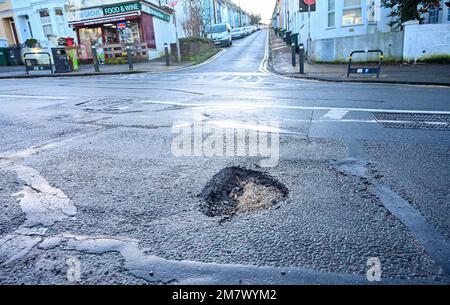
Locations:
(109, 22)
(8, 30)
(334, 28)
(42, 20)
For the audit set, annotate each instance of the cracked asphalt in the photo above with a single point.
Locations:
(90, 160)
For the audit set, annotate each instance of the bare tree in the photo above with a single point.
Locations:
(195, 24)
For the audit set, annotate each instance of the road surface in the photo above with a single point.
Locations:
(95, 188)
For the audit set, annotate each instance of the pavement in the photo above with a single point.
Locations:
(414, 74)
(102, 178)
(153, 66)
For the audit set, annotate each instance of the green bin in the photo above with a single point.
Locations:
(3, 57)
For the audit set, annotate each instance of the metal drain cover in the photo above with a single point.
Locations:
(236, 190)
(108, 105)
(413, 120)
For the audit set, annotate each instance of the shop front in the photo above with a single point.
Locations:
(111, 28)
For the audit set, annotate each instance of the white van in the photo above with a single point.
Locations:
(221, 34)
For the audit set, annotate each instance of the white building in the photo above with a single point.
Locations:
(42, 20)
(337, 27)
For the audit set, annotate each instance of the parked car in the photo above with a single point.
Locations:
(237, 33)
(221, 34)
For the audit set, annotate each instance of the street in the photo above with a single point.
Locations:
(94, 186)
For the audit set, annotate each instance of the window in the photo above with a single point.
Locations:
(433, 15)
(352, 12)
(46, 23)
(60, 21)
(448, 14)
(331, 13)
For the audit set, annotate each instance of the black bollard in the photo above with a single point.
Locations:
(166, 50)
(302, 58)
(130, 58)
(94, 54)
(293, 54)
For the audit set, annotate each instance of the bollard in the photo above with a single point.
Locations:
(130, 58)
(166, 50)
(95, 58)
(302, 58)
(293, 54)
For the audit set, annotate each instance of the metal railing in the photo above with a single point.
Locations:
(31, 64)
(365, 70)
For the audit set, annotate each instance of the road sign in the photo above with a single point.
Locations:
(172, 3)
(303, 8)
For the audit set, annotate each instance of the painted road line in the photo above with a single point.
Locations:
(35, 97)
(334, 114)
(252, 106)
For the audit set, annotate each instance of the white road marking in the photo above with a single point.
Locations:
(252, 106)
(334, 114)
(35, 97)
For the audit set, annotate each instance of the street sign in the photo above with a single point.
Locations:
(122, 8)
(303, 8)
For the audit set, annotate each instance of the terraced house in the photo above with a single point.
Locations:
(332, 29)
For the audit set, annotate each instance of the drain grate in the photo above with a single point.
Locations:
(413, 120)
(108, 105)
(237, 190)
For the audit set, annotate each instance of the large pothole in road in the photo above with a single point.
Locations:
(237, 190)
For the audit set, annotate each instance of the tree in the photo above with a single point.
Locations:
(404, 10)
(255, 19)
(194, 25)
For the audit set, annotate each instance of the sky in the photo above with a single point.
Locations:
(262, 7)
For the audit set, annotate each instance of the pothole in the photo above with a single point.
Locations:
(237, 190)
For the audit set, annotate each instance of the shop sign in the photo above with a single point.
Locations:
(122, 8)
(154, 12)
(85, 14)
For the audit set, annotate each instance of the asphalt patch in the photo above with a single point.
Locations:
(237, 190)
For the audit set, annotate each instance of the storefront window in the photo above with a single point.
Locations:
(90, 37)
(130, 33)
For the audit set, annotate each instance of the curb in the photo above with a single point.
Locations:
(192, 65)
(71, 75)
(367, 81)
(364, 81)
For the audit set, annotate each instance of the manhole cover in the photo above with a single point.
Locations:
(413, 120)
(110, 105)
(236, 190)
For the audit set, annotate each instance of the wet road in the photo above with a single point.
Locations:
(90, 175)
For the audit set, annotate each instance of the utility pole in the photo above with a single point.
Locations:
(308, 45)
(173, 4)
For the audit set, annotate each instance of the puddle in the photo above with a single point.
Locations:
(237, 190)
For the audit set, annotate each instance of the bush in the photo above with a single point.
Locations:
(196, 39)
(31, 43)
(436, 59)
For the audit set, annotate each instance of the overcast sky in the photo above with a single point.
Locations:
(262, 7)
